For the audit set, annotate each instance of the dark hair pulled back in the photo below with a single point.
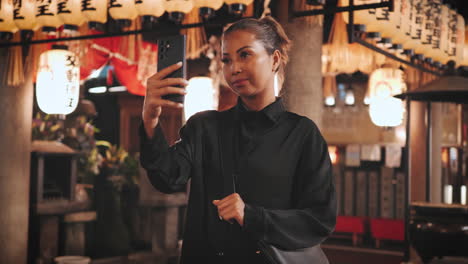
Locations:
(270, 33)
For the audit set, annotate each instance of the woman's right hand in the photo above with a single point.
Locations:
(156, 87)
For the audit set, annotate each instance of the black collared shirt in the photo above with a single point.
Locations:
(283, 176)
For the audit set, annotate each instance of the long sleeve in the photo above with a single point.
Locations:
(168, 168)
(313, 215)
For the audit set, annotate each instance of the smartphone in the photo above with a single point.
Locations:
(171, 49)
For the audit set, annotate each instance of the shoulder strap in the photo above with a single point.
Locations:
(228, 159)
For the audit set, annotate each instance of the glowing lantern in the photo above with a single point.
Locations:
(429, 12)
(461, 41)
(95, 11)
(415, 30)
(7, 23)
(238, 6)
(46, 15)
(25, 15)
(201, 96)
(403, 22)
(123, 10)
(440, 37)
(384, 109)
(69, 11)
(208, 7)
(150, 8)
(456, 38)
(58, 81)
(178, 8)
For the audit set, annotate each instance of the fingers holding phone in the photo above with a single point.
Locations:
(167, 86)
(158, 87)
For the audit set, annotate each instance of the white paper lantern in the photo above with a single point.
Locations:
(7, 23)
(178, 8)
(403, 23)
(215, 4)
(123, 9)
(238, 6)
(150, 7)
(384, 109)
(58, 82)
(201, 96)
(430, 12)
(208, 7)
(95, 11)
(440, 37)
(69, 12)
(25, 15)
(46, 15)
(456, 38)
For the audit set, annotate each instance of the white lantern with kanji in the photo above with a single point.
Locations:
(95, 11)
(178, 8)
(69, 11)
(58, 82)
(25, 15)
(153, 8)
(7, 23)
(46, 15)
(384, 109)
(124, 10)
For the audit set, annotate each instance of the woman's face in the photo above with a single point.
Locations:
(247, 67)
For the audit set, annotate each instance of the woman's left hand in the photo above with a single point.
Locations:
(231, 208)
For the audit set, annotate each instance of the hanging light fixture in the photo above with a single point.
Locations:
(69, 12)
(58, 81)
(201, 96)
(123, 11)
(237, 7)
(177, 9)
(95, 12)
(150, 10)
(384, 109)
(7, 24)
(329, 90)
(46, 15)
(349, 96)
(25, 15)
(208, 7)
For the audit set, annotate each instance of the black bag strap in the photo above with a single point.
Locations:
(228, 144)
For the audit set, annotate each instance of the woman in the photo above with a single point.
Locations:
(257, 171)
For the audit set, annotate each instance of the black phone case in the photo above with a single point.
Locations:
(171, 50)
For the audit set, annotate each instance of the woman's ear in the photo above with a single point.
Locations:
(276, 60)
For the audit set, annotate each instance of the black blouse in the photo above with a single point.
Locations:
(284, 177)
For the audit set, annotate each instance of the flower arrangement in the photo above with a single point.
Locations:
(47, 127)
(119, 167)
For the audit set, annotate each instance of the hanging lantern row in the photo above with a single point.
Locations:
(51, 14)
(427, 28)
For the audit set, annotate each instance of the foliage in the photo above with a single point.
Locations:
(118, 166)
(47, 127)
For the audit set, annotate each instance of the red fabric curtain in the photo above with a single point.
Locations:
(133, 60)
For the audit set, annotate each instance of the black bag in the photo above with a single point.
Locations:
(274, 255)
(230, 168)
